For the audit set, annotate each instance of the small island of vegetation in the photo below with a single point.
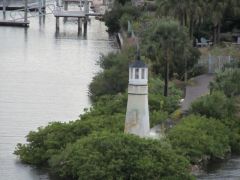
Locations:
(95, 147)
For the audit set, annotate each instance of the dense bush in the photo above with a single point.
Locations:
(119, 156)
(215, 105)
(107, 114)
(114, 77)
(158, 117)
(159, 102)
(228, 82)
(112, 18)
(200, 138)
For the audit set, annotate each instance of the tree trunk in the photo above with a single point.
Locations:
(181, 18)
(191, 28)
(215, 35)
(185, 67)
(166, 78)
(185, 18)
(218, 32)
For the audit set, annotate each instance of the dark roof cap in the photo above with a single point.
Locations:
(138, 64)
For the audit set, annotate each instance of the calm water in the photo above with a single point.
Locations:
(227, 170)
(43, 77)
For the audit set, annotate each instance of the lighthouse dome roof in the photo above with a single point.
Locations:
(138, 64)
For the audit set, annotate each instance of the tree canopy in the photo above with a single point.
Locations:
(119, 156)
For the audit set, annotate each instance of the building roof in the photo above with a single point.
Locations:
(138, 64)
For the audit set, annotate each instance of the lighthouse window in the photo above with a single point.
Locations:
(137, 73)
(142, 73)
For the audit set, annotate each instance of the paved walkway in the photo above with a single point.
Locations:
(198, 88)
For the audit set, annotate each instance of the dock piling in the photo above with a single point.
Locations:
(57, 23)
(65, 9)
(25, 10)
(85, 26)
(44, 5)
(79, 25)
(40, 7)
(4, 9)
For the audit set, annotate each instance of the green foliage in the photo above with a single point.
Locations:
(114, 77)
(228, 82)
(112, 18)
(122, 2)
(234, 134)
(107, 105)
(107, 114)
(166, 41)
(124, 21)
(218, 105)
(158, 102)
(45, 142)
(215, 105)
(201, 16)
(176, 115)
(158, 117)
(119, 156)
(200, 138)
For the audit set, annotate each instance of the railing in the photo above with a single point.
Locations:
(214, 63)
(42, 8)
(34, 10)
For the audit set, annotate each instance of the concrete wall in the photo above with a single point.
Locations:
(137, 115)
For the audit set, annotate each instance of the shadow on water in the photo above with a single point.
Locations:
(228, 169)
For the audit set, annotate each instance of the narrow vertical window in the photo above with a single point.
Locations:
(131, 73)
(143, 73)
(137, 73)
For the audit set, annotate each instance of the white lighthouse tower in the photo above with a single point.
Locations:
(137, 116)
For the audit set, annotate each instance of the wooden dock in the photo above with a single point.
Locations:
(74, 14)
(77, 1)
(14, 23)
(15, 5)
(80, 15)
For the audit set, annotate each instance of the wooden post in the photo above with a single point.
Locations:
(44, 5)
(57, 23)
(25, 10)
(86, 7)
(65, 9)
(79, 26)
(209, 63)
(57, 3)
(4, 9)
(85, 26)
(40, 7)
(65, 5)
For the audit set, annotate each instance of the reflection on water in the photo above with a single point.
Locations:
(43, 77)
(226, 170)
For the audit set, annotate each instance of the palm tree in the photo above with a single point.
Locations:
(170, 40)
(188, 12)
(176, 8)
(217, 9)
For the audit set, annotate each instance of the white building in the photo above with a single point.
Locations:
(137, 116)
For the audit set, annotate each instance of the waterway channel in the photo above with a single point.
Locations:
(44, 77)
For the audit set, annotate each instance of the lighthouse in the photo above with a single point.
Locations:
(137, 115)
